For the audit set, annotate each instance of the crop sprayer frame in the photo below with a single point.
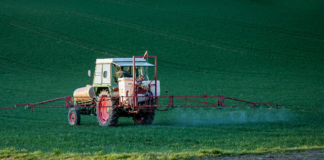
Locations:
(219, 100)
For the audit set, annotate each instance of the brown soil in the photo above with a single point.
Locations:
(295, 155)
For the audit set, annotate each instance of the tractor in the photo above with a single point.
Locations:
(110, 97)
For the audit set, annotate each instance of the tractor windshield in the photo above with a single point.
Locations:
(140, 72)
(143, 72)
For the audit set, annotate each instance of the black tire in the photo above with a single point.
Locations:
(143, 118)
(105, 118)
(74, 117)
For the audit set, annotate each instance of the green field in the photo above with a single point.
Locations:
(257, 50)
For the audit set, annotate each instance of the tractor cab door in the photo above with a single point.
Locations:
(102, 74)
(106, 73)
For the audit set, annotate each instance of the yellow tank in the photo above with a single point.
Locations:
(84, 94)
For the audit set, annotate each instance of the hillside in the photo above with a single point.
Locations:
(253, 50)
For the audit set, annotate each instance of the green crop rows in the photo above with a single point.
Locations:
(267, 51)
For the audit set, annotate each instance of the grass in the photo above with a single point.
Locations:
(57, 154)
(259, 51)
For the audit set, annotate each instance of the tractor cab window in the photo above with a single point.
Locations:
(127, 72)
(142, 72)
(114, 71)
(128, 69)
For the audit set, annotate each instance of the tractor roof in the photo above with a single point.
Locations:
(124, 62)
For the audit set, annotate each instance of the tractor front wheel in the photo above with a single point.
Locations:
(74, 116)
(107, 115)
(143, 118)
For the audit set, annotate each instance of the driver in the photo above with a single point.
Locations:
(121, 73)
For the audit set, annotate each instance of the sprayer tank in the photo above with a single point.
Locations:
(84, 94)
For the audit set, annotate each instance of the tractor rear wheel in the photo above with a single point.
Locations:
(107, 115)
(74, 116)
(143, 118)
